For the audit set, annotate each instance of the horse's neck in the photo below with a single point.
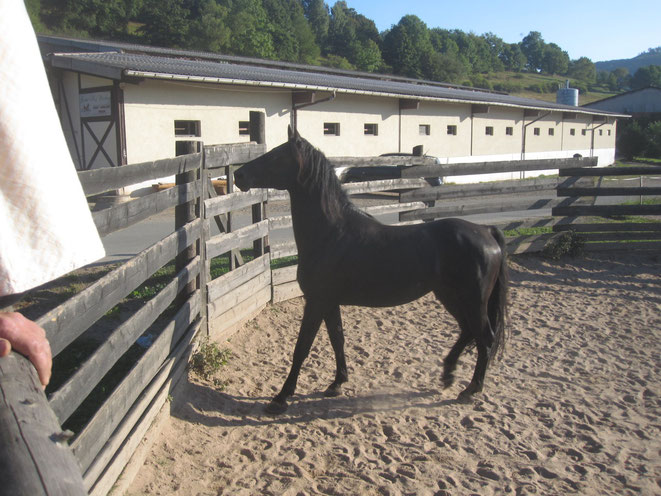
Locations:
(313, 227)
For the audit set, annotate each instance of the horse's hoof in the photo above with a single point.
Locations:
(276, 407)
(465, 397)
(447, 381)
(333, 391)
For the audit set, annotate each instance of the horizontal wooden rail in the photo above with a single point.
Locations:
(91, 439)
(444, 170)
(236, 239)
(111, 178)
(610, 227)
(233, 201)
(610, 171)
(72, 393)
(65, 323)
(232, 154)
(509, 187)
(606, 210)
(229, 282)
(610, 191)
(35, 458)
(387, 160)
(133, 211)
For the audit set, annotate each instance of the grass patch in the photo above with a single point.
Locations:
(528, 231)
(208, 360)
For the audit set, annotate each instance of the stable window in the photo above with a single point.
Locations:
(452, 130)
(424, 129)
(536, 131)
(332, 128)
(551, 131)
(187, 128)
(186, 147)
(509, 131)
(489, 131)
(244, 128)
(572, 132)
(609, 132)
(601, 132)
(372, 129)
(584, 132)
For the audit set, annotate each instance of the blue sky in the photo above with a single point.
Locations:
(599, 30)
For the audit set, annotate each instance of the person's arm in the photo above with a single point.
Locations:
(27, 338)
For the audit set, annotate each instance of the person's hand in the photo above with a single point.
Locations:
(27, 338)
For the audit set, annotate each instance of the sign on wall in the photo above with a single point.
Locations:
(96, 104)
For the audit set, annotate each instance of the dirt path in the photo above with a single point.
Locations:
(573, 408)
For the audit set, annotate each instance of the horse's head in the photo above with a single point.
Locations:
(280, 168)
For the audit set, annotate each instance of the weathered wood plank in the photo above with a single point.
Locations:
(479, 208)
(237, 239)
(392, 208)
(221, 305)
(606, 210)
(111, 178)
(282, 250)
(233, 201)
(66, 322)
(623, 246)
(277, 195)
(234, 153)
(70, 395)
(610, 227)
(286, 274)
(123, 442)
(514, 186)
(610, 191)
(93, 437)
(131, 212)
(280, 222)
(232, 280)
(528, 244)
(379, 161)
(610, 171)
(621, 236)
(286, 291)
(444, 170)
(225, 324)
(33, 460)
(382, 185)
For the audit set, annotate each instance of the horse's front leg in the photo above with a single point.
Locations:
(312, 316)
(333, 321)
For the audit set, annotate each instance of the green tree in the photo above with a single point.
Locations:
(532, 47)
(405, 44)
(97, 18)
(583, 69)
(647, 76)
(293, 39)
(251, 29)
(210, 30)
(318, 16)
(513, 58)
(554, 60)
(354, 37)
(165, 23)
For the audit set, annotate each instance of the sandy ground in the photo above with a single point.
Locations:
(574, 407)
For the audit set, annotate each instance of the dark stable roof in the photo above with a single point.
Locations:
(123, 61)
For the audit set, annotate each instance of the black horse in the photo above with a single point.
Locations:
(346, 257)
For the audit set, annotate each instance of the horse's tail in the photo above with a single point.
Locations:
(497, 307)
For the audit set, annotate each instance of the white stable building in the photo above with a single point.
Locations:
(122, 103)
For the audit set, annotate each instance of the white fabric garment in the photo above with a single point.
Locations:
(46, 228)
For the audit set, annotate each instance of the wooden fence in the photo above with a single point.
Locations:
(197, 296)
(628, 227)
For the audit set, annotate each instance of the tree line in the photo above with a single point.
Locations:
(312, 32)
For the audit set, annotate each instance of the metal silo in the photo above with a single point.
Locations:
(567, 96)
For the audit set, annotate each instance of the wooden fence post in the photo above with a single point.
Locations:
(258, 135)
(205, 264)
(183, 214)
(35, 458)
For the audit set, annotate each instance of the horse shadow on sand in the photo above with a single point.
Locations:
(203, 404)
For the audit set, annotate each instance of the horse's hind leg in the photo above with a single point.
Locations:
(312, 315)
(333, 321)
(450, 362)
(483, 342)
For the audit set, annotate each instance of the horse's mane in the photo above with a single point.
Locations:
(318, 176)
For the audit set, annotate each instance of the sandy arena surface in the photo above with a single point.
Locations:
(574, 406)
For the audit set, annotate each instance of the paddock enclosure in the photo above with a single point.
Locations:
(118, 363)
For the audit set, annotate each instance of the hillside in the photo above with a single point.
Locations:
(651, 57)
